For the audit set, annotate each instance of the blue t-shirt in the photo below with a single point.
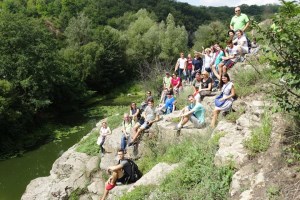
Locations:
(169, 103)
(197, 64)
(199, 112)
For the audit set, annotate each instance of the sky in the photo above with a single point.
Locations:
(230, 3)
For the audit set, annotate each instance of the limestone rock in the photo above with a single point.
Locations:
(92, 165)
(155, 176)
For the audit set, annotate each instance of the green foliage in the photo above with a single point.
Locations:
(79, 31)
(233, 116)
(260, 137)
(182, 100)
(197, 176)
(173, 39)
(273, 193)
(89, 145)
(140, 193)
(207, 35)
(292, 141)
(75, 194)
(283, 37)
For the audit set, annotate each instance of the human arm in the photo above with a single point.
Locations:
(231, 24)
(114, 168)
(206, 89)
(247, 23)
(177, 65)
(174, 106)
(232, 94)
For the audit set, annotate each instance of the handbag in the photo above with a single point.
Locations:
(219, 103)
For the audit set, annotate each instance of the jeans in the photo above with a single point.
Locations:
(181, 74)
(189, 75)
(123, 142)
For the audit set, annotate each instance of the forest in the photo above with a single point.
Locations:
(55, 54)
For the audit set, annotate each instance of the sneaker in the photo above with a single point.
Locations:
(177, 128)
(178, 133)
(132, 143)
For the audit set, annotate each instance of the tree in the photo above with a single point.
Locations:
(207, 35)
(284, 41)
(173, 40)
(79, 31)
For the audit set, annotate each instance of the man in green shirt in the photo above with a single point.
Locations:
(239, 21)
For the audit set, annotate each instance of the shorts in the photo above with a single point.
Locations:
(124, 179)
(196, 123)
(229, 63)
(145, 125)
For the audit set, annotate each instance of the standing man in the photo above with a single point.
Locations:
(181, 66)
(239, 21)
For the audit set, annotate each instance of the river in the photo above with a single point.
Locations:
(16, 173)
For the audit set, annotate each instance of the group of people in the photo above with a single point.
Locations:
(216, 60)
(205, 73)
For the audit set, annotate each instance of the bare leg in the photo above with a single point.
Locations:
(215, 71)
(137, 134)
(224, 69)
(112, 181)
(214, 118)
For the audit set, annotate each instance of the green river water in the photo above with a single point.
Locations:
(16, 173)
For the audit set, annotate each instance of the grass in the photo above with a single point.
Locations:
(233, 116)
(196, 178)
(249, 81)
(140, 193)
(260, 137)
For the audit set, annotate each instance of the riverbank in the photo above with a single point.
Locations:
(65, 131)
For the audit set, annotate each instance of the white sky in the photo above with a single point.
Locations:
(230, 3)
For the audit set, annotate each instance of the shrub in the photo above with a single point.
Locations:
(260, 137)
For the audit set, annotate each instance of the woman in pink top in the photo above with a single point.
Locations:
(189, 68)
(176, 83)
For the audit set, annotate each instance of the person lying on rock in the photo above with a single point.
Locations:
(125, 172)
(195, 112)
(150, 115)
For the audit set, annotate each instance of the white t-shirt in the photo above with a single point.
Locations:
(182, 62)
(232, 51)
(242, 41)
(104, 131)
(207, 61)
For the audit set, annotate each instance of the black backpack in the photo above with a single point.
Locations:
(134, 174)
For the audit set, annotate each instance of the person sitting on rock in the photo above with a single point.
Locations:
(228, 94)
(195, 112)
(228, 61)
(149, 97)
(104, 132)
(150, 115)
(197, 81)
(119, 173)
(126, 131)
(169, 104)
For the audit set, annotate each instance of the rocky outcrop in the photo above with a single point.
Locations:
(231, 148)
(71, 171)
(154, 177)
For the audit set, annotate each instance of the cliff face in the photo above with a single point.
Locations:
(256, 177)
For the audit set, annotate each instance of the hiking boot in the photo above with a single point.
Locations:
(178, 133)
(132, 143)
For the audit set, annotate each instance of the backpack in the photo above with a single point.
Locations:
(134, 174)
(249, 44)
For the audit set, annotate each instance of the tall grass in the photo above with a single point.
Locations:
(260, 136)
(196, 178)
